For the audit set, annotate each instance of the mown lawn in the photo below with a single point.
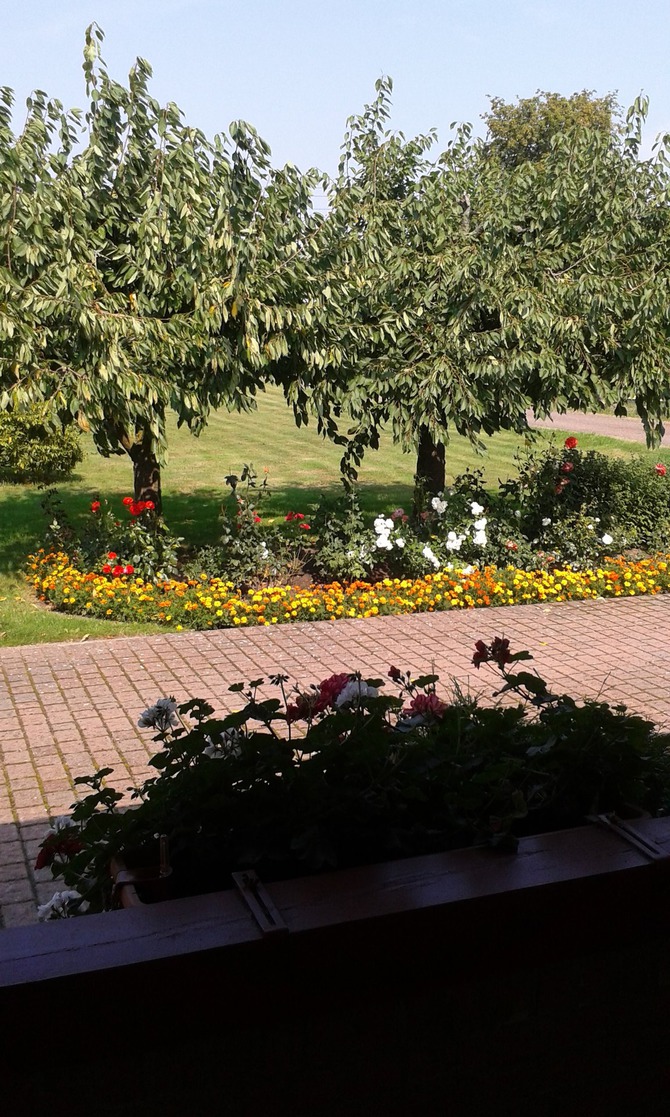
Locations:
(301, 468)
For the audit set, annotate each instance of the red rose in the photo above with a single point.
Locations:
(660, 469)
(95, 506)
(567, 467)
(127, 500)
(570, 443)
(305, 527)
(257, 519)
(135, 507)
(149, 504)
(107, 569)
(291, 516)
(117, 570)
(112, 554)
(129, 569)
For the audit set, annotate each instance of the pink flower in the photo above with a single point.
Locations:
(427, 704)
(329, 690)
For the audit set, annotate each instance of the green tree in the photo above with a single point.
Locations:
(523, 132)
(148, 270)
(477, 290)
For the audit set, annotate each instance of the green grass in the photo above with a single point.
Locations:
(301, 468)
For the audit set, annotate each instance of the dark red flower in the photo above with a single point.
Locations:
(499, 651)
(95, 506)
(291, 516)
(394, 673)
(567, 467)
(570, 443)
(305, 527)
(62, 843)
(661, 469)
(481, 653)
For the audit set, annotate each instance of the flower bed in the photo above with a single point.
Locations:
(201, 603)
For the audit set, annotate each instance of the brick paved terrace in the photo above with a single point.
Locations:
(69, 709)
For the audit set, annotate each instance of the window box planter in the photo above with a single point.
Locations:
(472, 974)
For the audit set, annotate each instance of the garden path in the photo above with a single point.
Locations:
(579, 422)
(70, 708)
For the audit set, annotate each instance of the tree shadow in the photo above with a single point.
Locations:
(194, 515)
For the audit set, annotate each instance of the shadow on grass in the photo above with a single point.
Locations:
(194, 515)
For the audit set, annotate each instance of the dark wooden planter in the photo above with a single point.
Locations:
(469, 982)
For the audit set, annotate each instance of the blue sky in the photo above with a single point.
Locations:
(296, 69)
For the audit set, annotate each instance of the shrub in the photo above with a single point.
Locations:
(31, 453)
(581, 505)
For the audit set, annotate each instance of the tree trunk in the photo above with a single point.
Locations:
(146, 471)
(429, 478)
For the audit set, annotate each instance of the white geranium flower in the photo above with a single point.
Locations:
(431, 556)
(228, 744)
(476, 509)
(467, 569)
(440, 506)
(400, 542)
(354, 691)
(58, 907)
(479, 525)
(546, 521)
(607, 539)
(479, 539)
(162, 716)
(384, 543)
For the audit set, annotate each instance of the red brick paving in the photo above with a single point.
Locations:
(68, 709)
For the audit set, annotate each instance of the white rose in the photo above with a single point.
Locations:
(476, 509)
(607, 539)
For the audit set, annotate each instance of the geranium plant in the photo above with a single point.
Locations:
(343, 773)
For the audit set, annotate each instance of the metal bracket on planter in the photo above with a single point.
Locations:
(616, 825)
(259, 903)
